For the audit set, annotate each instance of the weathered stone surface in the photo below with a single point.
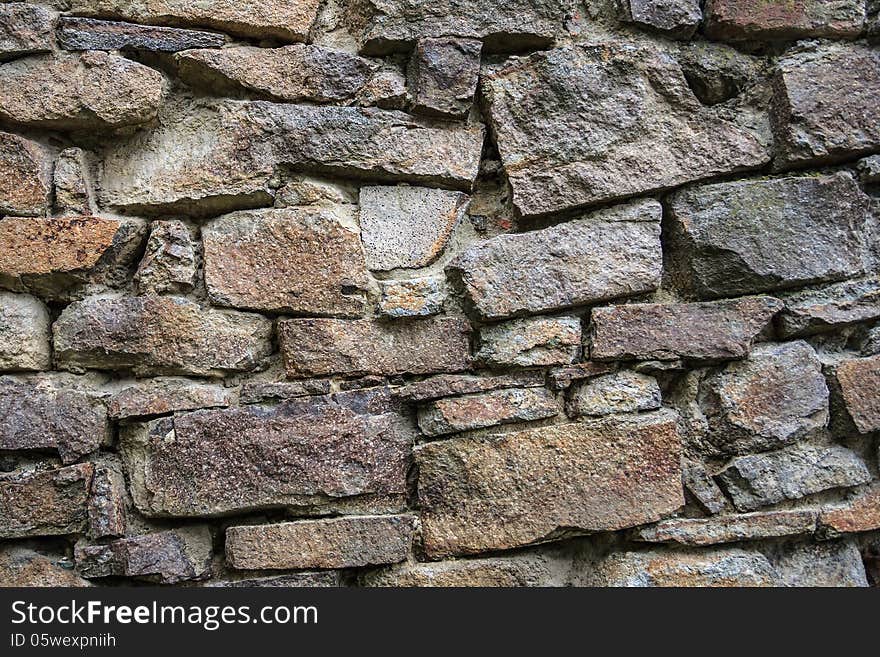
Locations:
(350, 542)
(705, 491)
(23, 567)
(730, 529)
(74, 193)
(723, 567)
(746, 237)
(774, 398)
(287, 21)
(107, 502)
(299, 190)
(159, 335)
(860, 514)
(442, 76)
(52, 256)
(515, 571)
(384, 26)
(607, 254)
(735, 20)
(25, 178)
(169, 264)
(451, 385)
(94, 91)
(678, 18)
(24, 333)
(531, 342)
(622, 392)
(717, 72)
(44, 503)
(829, 308)
(257, 392)
(487, 493)
(324, 453)
(165, 557)
(418, 297)
(763, 479)
(824, 105)
(869, 169)
(858, 381)
(826, 564)
(292, 260)
(486, 409)
(321, 347)
(25, 29)
(710, 331)
(582, 125)
(562, 377)
(211, 156)
(291, 74)
(162, 396)
(48, 413)
(407, 227)
(305, 579)
(89, 34)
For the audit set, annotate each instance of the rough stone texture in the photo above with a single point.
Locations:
(716, 72)
(622, 392)
(169, 264)
(159, 335)
(74, 193)
(531, 342)
(451, 385)
(824, 105)
(860, 514)
(774, 398)
(678, 18)
(764, 479)
(163, 396)
(442, 76)
(418, 297)
(489, 493)
(486, 409)
(324, 453)
(745, 237)
(25, 178)
(832, 563)
(869, 169)
(107, 503)
(333, 543)
(320, 347)
(257, 392)
(730, 529)
(93, 91)
(25, 29)
(830, 307)
(46, 413)
(563, 376)
(858, 381)
(407, 227)
(52, 256)
(699, 483)
(21, 566)
(211, 156)
(734, 20)
(605, 255)
(516, 571)
(624, 122)
(44, 503)
(304, 579)
(90, 34)
(302, 261)
(719, 330)
(166, 557)
(383, 26)
(24, 334)
(286, 21)
(290, 74)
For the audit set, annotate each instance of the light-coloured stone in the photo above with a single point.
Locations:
(25, 29)
(677, 18)
(107, 502)
(486, 409)
(417, 297)
(506, 572)
(730, 529)
(23, 567)
(531, 342)
(169, 264)
(858, 381)
(74, 193)
(452, 385)
(825, 564)
(622, 392)
(24, 333)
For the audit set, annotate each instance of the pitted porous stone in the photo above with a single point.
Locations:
(677, 18)
(89, 34)
(735, 20)
(45, 503)
(456, 414)
(442, 76)
(24, 333)
(25, 29)
(531, 342)
(169, 265)
(302, 261)
(25, 176)
(582, 125)
(605, 255)
(107, 502)
(286, 20)
(621, 392)
(497, 492)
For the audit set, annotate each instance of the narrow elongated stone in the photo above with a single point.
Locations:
(504, 491)
(730, 529)
(605, 255)
(451, 385)
(621, 392)
(858, 380)
(350, 542)
(531, 342)
(696, 331)
(159, 335)
(699, 483)
(860, 514)
(736, 21)
(74, 189)
(829, 308)
(24, 333)
(292, 260)
(486, 409)
(25, 176)
(107, 503)
(25, 29)
(746, 237)
(514, 571)
(44, 503)
(162, 396)
(89, 34)
(322, 347)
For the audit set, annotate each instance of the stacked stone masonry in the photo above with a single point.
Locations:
(439, 293)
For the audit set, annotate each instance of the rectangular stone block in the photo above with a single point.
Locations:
(736, 20)
(456, 414)
(24, 333)
(730, 529)
(829, 308)
(45, 502)
(88, 34)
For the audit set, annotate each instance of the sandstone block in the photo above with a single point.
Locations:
(858, 381)
(74, 191)
(860, 514)
(825, 564)
(451, 385)
(107, 502)
(829, 308)
(507, 572)
(531, 342)
(699, 483)
(258, 392)
(20, 566)
(455, 414)
(44, 503)
(24, 333)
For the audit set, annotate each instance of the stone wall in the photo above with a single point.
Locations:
(439, 292)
